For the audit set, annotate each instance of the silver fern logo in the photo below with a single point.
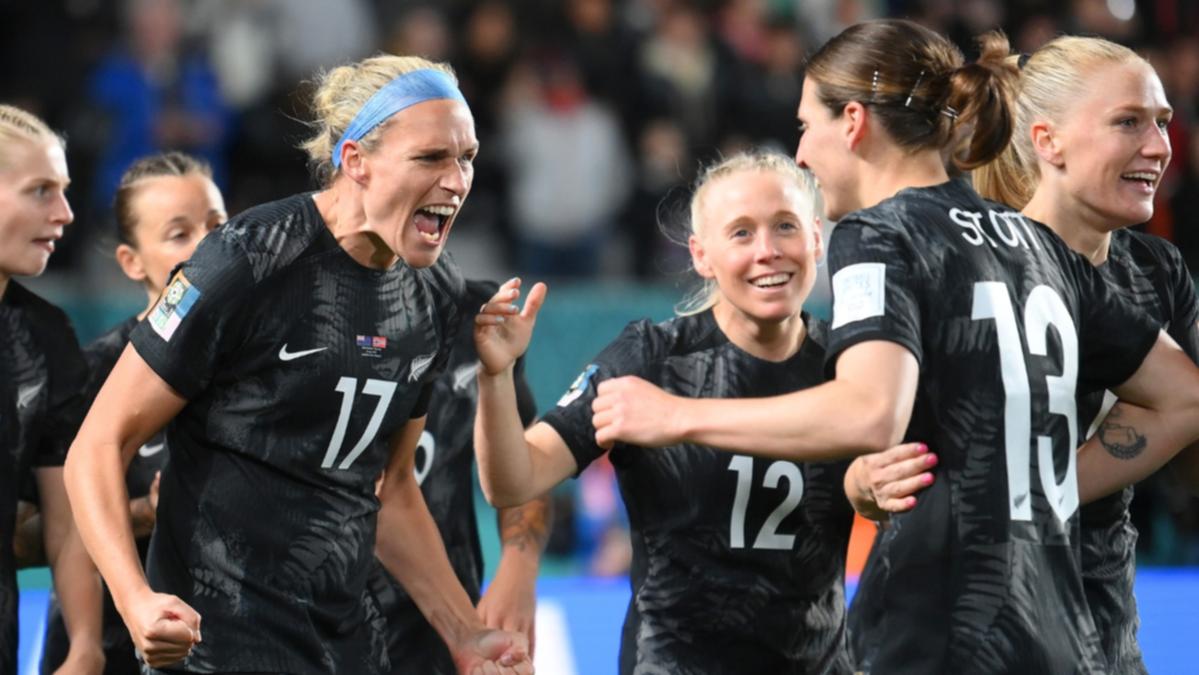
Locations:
(419, 365)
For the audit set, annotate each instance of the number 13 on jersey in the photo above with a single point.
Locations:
(1043, 309)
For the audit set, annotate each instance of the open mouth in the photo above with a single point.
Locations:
(1147, 179)
(430, 221)
(46, 243)
(772, 280)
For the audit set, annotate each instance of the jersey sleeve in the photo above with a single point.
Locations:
(1184, 321)
(1113, 335)
(68, 381)
(876, 283)
(190, 324)
(629, 354)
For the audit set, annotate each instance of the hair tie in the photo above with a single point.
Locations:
(1023, 60)
(405, 91)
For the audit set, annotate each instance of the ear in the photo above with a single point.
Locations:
(699, 257)
(1046, 143)
(855, 116)
(818, 234)
(131, 262)
(353, 162)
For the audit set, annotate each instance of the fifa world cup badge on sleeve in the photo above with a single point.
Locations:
(578, 386)
(859, 292)
(176, 301)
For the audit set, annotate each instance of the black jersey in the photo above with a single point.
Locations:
(738, 562)
(101, 355)
(1007, 324)
(299, 365)
(444, 469)
(42, 373)
(1149, 273)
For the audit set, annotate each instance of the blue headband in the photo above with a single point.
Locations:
(404, 91)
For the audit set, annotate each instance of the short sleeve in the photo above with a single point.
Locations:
(629, 354)
(182, 336)
(1114, 336)
(876, 287)
(1184, 321)
(67, 405)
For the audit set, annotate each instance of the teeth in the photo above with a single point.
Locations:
(1142, 175)
(439, 210)
(772, 280)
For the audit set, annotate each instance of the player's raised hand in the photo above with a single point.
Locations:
(887, 482)
(631, 410)
(494, 652)
(503, 329)
(163, 627)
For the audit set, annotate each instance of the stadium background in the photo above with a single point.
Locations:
(593, 116)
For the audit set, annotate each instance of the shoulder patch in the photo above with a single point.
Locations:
(173, 305)
(578, 386)
(859, 292)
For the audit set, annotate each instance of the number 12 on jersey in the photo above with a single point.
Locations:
(1043, 309)
(768, 537)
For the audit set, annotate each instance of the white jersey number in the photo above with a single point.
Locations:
(1043, 309)
(768, 536)
(429, 445)
(348, 387)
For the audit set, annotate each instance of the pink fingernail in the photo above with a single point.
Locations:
(930, 459)
(927, 479)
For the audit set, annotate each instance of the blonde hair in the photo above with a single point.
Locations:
(708, 294)
(17, 124)
(1050, 79)
(341, 93)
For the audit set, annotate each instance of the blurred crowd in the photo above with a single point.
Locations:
(592, 114)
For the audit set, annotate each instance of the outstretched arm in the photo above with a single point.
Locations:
(865, 409)
(410, 548)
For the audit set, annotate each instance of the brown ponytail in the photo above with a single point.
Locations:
(917, 86)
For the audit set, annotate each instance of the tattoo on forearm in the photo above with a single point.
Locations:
(527, 525)
(1121, 441)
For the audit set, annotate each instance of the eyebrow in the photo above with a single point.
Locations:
(1166, 109)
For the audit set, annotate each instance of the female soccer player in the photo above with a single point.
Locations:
(292, 357)
(164, 205)
(444, 469)
(42, 374)
(1086, 157)
(738, 565)
(971, 323)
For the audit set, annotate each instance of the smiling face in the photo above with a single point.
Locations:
(1112, 144)
(415, 180)
(172, 214)
(752, 240)
(33, 205)
(822, 150)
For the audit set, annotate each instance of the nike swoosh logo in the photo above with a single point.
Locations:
(419, 365)
(26, 394)
(149, 450)
(285, 355)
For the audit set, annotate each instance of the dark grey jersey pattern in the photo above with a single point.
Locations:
(299, 365)
(1008, 325)
(444, 468)
(738, 562)
(1148, 272)
(42, 373)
